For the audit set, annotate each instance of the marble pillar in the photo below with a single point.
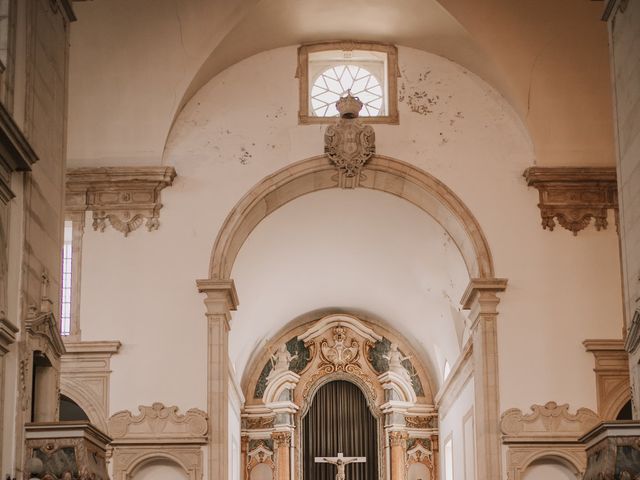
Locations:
(282, 443)
(398, 442)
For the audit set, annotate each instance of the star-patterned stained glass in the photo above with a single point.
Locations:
(337, 81)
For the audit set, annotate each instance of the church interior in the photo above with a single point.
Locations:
(318, 239)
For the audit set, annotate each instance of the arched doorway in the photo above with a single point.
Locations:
(339, 421)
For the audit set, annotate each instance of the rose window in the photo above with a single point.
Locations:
(337, 81)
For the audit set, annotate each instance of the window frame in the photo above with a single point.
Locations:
(77, 232)
(306, 117)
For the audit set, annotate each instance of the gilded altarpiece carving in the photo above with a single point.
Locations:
(339, 347)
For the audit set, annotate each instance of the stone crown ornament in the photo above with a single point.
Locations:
(349, 106)
(349, 143)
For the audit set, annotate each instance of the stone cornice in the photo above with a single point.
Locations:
(99, 347)
(220, 290)
(122, 196)
(16, 153)
(478, 285)
(574, 195)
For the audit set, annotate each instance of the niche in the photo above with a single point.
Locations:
(43, 389)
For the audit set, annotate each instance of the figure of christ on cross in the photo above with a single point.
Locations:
(340, 461)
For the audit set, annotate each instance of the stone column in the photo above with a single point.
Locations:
(221, 300)
(480, 297)
(398, 442)
(282, 443)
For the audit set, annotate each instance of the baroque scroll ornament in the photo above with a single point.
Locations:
(349, 143)
(339, 354)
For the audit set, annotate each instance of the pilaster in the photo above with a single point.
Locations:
(481, 298)
(220, 301)
(398, 442)
(282, 442)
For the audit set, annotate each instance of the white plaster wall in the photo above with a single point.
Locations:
(160, 470)
(452, 425)
(243, 126)
(548, 469)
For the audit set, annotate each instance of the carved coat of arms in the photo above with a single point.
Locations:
(349, 143)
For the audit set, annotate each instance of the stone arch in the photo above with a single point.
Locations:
(574, 460)
(86, 401)
(381, 173)
(321, 382)
(140, 461)
(616, 399)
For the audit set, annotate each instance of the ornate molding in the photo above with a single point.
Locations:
(282, 439)
(398, 439)
(420, 453)
(124, 197)
(67, 450)
(548, 423)
(158, 424)
(257, 423)
(259, 454)
(422, 422)
(574, 195)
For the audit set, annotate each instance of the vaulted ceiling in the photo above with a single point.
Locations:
(139, 62)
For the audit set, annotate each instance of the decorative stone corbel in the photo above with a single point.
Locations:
(574, 195)
(124, 197)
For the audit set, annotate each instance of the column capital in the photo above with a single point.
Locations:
(479, 286)
(282, 438)
(221, 295)
(398, 438)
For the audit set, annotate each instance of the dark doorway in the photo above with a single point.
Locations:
(339, 421)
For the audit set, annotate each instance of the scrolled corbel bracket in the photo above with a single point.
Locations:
(123, 197)
(573, 196)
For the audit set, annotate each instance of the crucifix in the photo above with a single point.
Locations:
(340, 461)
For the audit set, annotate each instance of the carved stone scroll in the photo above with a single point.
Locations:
(574, 195)
(159, 424)
(547, 422)
(550, 431)
(124, 197)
